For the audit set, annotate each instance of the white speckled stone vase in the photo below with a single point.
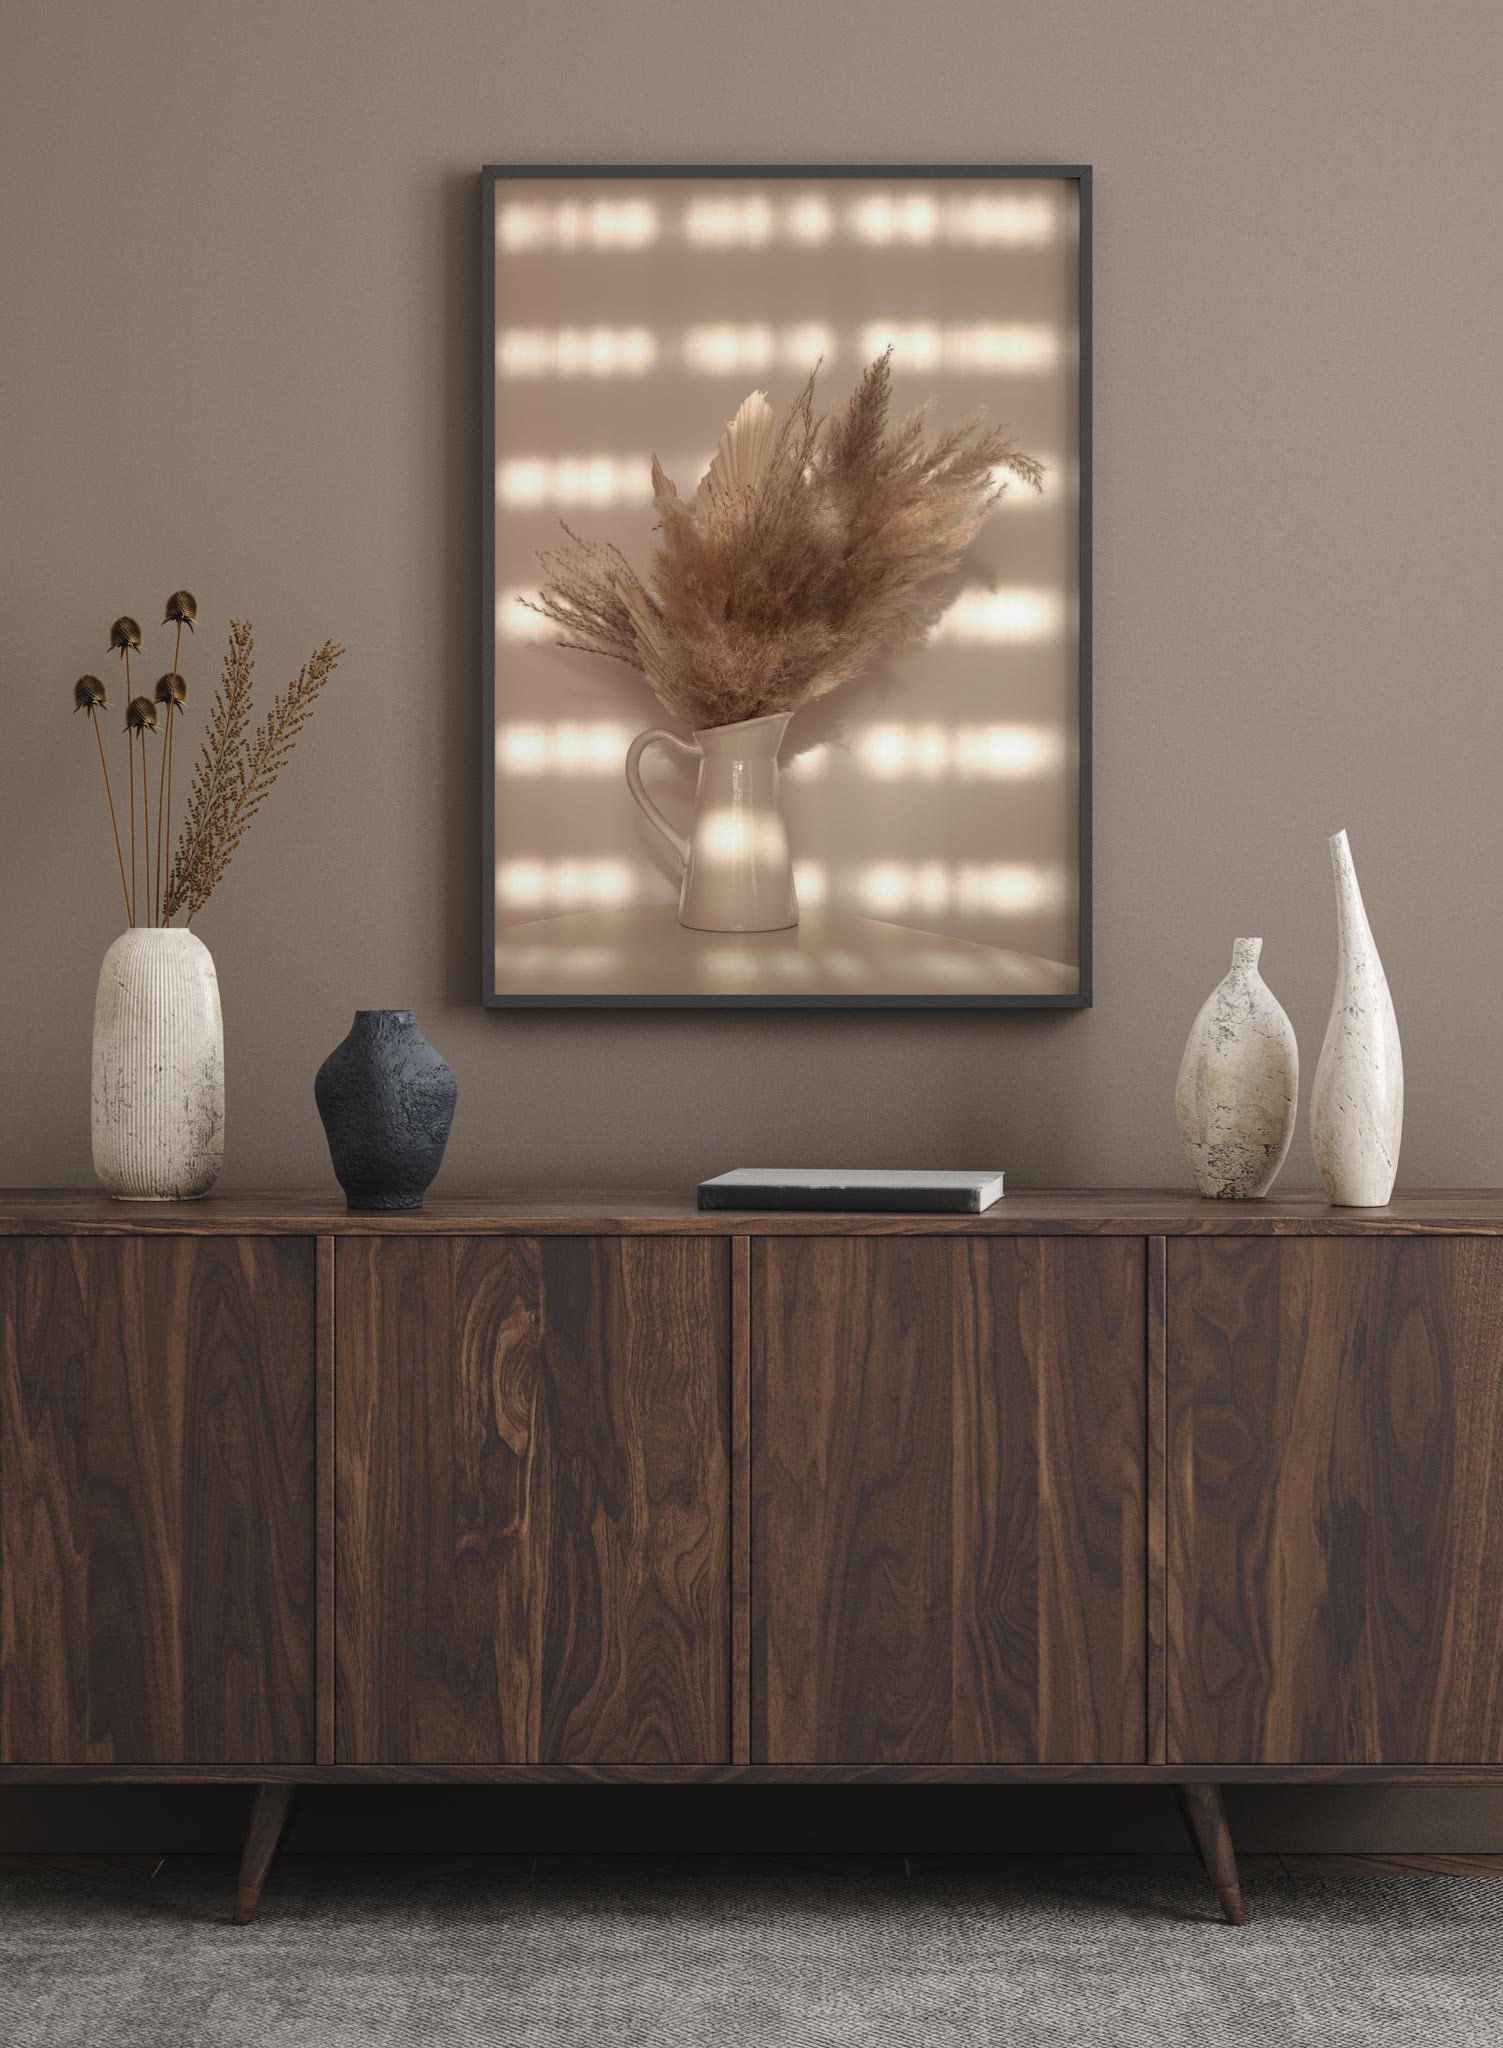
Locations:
(158, 1095)
(1238, 1084)
(1357, 1110)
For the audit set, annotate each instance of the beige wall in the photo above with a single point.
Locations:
(240, 302)
(241, 306)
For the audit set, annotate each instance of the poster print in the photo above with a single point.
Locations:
(917, 836)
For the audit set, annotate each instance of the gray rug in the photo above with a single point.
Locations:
(698, 1954)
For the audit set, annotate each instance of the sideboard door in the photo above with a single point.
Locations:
(533, 1500)
(1335, 1500)
(948, 1519)
(156, 1500)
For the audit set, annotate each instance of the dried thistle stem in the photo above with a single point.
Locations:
(114, 823)
(130, 744)
(146, 827)
(130, 747)
(161, 840)
(164, 781)
(164, 784)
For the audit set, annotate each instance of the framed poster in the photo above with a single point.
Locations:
(674, 828)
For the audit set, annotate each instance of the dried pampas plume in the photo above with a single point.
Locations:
(235, 774)
(809, 547)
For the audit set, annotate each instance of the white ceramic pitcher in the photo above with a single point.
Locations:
(738, 873)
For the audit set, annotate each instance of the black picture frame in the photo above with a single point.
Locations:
(491, 176)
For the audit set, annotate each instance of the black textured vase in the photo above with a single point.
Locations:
(387, 1101)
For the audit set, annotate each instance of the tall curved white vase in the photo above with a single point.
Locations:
(1238, 1088)
(158, 1085)
(1357, 1110)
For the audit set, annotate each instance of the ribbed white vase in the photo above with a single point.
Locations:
(158, 1092)
(1357, 1110)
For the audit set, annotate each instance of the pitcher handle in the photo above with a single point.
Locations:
(650, 810)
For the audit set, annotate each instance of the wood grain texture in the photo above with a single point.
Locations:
(948, 1535)
(156, 1500)
(273, 1810)
(1204, 1816)
(1336, 1501)
(740, 1500)
(324, 1361)
(1156, 1477)
(591, 1212)
(997, 1775)
(533, 1500)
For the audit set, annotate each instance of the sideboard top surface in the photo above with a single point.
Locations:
(1108, 1212)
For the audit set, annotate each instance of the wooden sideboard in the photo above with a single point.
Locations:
(1096, 1487)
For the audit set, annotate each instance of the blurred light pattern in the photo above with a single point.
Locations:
(809, 220)
(514, 621)
(721, 347)
(917, 218)
(906, 885)
(575, 480)
(1006, 886)
(731, 967)
(888, 217)
(540, 957)
(987, 221)
(976, 887)
(970, 753)
(751, 220)
(801, 347)
(603, 224)
(811, 884)
(725, 837)
(565, 884)
(1020, 497)
(994, 615)
(893, 750)
(528, 480)
(843, 966)
(1000, 346)
(575, 351)
(714, 351)
(743, 222)
(571, 747)
(910, 823)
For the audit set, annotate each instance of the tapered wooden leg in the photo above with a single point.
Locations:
(1187, 1816)
(1205, 1817)
(271, 1816)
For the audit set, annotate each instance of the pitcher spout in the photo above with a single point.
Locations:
(751, 738)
